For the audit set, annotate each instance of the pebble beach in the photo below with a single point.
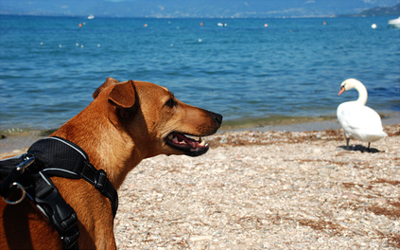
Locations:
(266, 190)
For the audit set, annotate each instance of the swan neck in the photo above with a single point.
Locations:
(362, 94)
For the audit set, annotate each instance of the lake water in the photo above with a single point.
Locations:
(249, 73)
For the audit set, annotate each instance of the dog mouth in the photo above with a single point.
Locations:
(188, 145)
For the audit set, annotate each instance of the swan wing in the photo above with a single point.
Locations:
(360, 122)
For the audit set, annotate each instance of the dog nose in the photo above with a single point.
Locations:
(217, 118)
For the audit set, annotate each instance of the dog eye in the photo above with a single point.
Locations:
(171, 103)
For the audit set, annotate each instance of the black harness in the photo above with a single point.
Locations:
(31, 172)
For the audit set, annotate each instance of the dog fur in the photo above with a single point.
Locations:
(125, 123)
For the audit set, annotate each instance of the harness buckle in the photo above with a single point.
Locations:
(100, 180)
(61, 215)
(70, 238)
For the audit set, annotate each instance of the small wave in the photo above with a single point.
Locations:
(276, 120)
(25, 132)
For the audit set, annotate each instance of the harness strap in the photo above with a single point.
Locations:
(54, 156)
(42, 191)
(59, 213)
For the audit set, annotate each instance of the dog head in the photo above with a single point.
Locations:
(155, 119)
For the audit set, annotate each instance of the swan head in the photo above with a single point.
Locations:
(348, 84)
(352, 83)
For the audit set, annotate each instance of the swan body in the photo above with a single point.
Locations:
(357, 120)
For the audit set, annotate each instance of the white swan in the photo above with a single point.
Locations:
(359, 121)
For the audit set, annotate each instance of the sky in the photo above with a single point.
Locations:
(190, 8)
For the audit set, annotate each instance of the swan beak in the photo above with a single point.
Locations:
(342, 89)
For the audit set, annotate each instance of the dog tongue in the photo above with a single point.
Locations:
(191, 142)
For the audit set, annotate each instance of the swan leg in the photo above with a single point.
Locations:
(347, 143)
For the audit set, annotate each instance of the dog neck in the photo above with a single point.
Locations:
(108, 147)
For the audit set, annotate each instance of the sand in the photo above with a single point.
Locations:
(266, 190)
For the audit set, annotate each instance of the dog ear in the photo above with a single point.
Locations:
(123, 95)
(110, 81)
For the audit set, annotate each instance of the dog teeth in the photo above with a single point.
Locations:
(172, 138)
(197, 140)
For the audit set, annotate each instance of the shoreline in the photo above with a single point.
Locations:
(18, 141)
(299, 124)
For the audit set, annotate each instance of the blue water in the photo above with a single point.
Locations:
(49, 66)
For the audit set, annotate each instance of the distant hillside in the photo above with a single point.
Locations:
(379, 11)
(382, 11)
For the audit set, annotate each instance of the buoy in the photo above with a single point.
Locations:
(145, 25)
(374, 26)
(324, 23)
(201, 24)
(266, 25)
(80, 25)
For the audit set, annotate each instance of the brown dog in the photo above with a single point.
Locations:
(126, 123)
